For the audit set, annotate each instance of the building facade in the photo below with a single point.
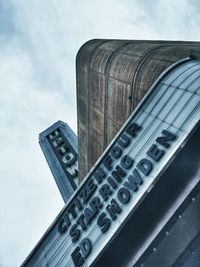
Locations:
(59, 145)
(139, 204)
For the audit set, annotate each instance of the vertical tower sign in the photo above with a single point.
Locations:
(59, 145)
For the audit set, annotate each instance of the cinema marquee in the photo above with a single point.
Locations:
(140, 169)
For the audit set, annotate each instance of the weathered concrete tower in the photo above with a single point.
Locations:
(112, 78)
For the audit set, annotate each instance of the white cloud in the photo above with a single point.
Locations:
(38, 44)
(27, 203)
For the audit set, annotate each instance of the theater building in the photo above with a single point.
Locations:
(138, 143)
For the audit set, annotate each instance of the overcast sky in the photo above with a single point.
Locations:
(39, 40)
